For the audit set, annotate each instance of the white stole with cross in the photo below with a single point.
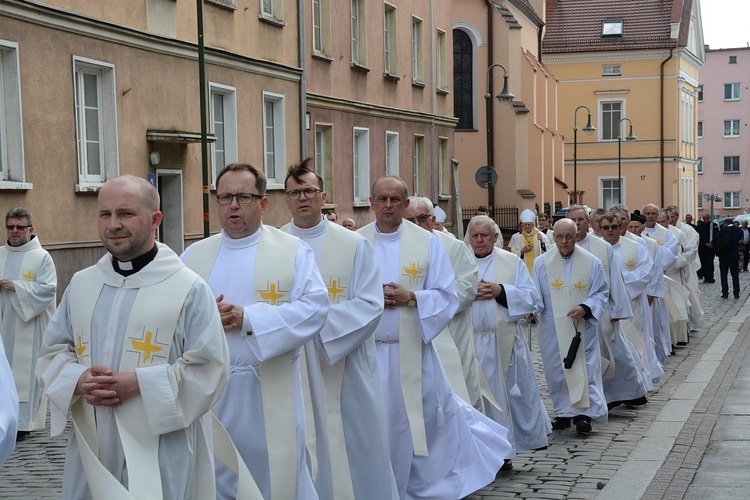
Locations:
(565, 294)
(632, 328)
(598, 248)
(506, 271)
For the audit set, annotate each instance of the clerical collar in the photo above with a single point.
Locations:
(566, 257)
(310, 232)
(135, 265)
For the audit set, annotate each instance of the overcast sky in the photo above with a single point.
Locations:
(726, 23)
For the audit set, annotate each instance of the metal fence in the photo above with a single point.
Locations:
(506, 217)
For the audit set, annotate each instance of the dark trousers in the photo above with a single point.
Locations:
(731, 264)
(745, 253)
(706, 256)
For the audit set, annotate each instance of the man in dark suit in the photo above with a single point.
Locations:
(745, 245)
(726, 243)
(705, 251)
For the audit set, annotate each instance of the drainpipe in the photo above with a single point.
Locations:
(302, 82)
(661, 122)
(434, 195)
(490, 108)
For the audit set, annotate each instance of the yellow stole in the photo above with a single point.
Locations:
(528, 257)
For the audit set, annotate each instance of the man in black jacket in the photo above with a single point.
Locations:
(726, 243)
(705, 251)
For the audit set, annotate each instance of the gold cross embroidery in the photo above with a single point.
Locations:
(334, 291)
(580, 286)
(271, 295)
(29, 276)
(557, 285)
(630, 265)
(413, 272)
(80, 349)
(146, 346)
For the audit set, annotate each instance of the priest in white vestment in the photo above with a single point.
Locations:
(531, 243)
(28, 283)
(137, 354)
(505, 299)
(272, 301)
(8, 409)
(440, 446)
(349, 436)
(573, 295)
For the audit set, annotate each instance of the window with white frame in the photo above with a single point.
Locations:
(390, 43)
(274, 138)
(417, 56)
(611, 27)
(610, 114)
(391, 153)
(700, 93)
(699, 166)
(420, 176)
(444, 164)
(700, 130)
(731, 164)
(12, 163)
(96, 122)
(611, 70)
(361, 163)
(271, 9)
(441, 61)
(321, 18)
(610, 191)
(732, 199)
(324, 156)
(731, 91)
(223, 111)
(359, 32)
(731, 128)
(687, 119)
(700, 200)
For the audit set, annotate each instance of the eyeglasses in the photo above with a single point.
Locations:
(418, 218)
(17, 228)
(242, 198)
(607, 228)
(307, 193)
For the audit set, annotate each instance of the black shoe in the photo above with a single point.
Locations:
(724, 296)
(709, 281)
(22, 435)
(613, 404)
(636, 402)
(559, 423)
(507, 465)
(583, 424)
(736, 295)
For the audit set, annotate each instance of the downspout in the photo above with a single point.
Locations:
(302, 82)
(435, 194)
(661, 122)
(490, 109)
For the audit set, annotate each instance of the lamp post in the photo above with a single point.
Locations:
(629, 137)
(504, 97)
(588, 130)
(711, 197)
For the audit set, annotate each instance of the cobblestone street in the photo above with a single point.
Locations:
(573, 466)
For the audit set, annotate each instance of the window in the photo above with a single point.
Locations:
(391, 153)
(731, 164)
(12, 163)
(361, 163)
(420, 176)
(610, 114)
(96, 122)
(271, 9)
(732, 199)
(321, 18)
(700, 200)
(700, 130)
(463, 80)
(700, 93)
(359, 32)
(611, 70)
(732, 59)
(731, 91)
(731, 128)
(699, 166)
(444, 164)
(274, 139)
(224, 125)
(389, 40)
(441, 61)
(610, 192)
(612, 27)
(417, 56)
(324, 156)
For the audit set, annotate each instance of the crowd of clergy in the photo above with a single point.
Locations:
(319, 360)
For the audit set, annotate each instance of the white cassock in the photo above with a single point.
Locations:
(466, 449)
(689, 273)
(596, 301)
(24, 315)
(8, 409)
(659, 313)
(177, 395)
(276, 330)
(346, 342)
(517, 385)
(623, 378)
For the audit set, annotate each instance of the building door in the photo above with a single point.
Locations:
(171, 232)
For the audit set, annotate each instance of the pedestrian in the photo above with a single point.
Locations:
(136, 354)
(726, 244)
(706, 230)
(272, 301)
(531, 243)
(745, 245)
(28, 286)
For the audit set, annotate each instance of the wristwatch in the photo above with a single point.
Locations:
(412, 300)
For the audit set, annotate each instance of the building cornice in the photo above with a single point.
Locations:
(615, 55)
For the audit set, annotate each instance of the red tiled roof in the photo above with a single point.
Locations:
(576, 25)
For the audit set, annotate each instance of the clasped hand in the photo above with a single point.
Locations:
(100, 386)
(395, 295)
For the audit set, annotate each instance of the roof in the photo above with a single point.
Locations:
(576, 26)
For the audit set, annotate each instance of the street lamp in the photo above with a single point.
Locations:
(504, 97)
(712, 198)
(629, 137)
(588, 130)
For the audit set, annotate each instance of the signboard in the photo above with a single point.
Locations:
(481, 177)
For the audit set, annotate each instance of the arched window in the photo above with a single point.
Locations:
(463, 80)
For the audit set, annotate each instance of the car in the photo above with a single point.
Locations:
(563, 212)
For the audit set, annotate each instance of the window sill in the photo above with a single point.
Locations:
(361, 204)
(442, 91)
(16, 185)
(360, 67)
(280, 23)
(227, 4)
(322, 56)
(390, 76)
(731, 173)
(444, 197)
(274, 186)
(418, 83)
(731, 137)
(88, 188)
